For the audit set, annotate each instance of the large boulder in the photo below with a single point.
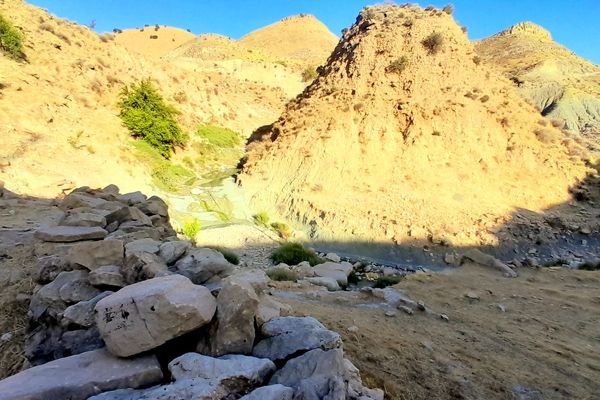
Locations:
(69, 287)
(70, 233)
(154, 206)
(80, 200)
(92, 255)
(81, 376)
(145, 315)
(354, 386)
(233, 329)
(317, 374)
(203, 265)
(333, 270)
(269, 308)
(287, 336)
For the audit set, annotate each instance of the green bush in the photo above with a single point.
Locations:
(228, 254)
(294, 253)
(385, 281)
(283, 230)
(262, 218)
(149, 117)
(11, 40)
(191, 228)
(309, 74)
(220, 137)
(282, 274)
(590, 266)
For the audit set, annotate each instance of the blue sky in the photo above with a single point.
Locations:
(574, 23)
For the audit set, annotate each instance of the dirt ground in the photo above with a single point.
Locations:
(545, 345)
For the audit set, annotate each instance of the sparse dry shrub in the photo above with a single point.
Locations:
(408, 23)
(546, 136)
(505, 122)
(107, 37)
(542, 122)
(309, 74)
(180, 97)
(397, 66)
(476, 60)
(464, 29)
(448, 9)
(45, 26)
(358, 106)
(434, 42)
(113, 80)
(484, 98)
(102, 62)
(96, 86)
(471, 95)
(430, 8)
(558, 123)
(153, 36)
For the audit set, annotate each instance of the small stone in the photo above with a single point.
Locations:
(330, 283)
(501, 307)
(352, 329)
(172, 251)
(333, 257)
(472, 296)
(444, 317)
(7, 337)
(407, 310)
(390, 313)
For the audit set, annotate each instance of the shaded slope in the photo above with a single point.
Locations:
(399, 141)
(562, 85)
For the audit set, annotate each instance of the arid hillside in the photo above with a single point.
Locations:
(563, 86)
(58, 109)
(301, 37)
(153, 41)
(407, 136)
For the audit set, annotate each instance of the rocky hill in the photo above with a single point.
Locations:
(405, 136)
(153, 41)
(302, 37)
(58, 113)
(560, 84)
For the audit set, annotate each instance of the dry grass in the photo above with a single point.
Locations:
(434, 42)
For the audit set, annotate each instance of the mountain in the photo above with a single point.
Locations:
(153, 41)
(302, 37)
(405, 136)
(58, 111)
(562, 85)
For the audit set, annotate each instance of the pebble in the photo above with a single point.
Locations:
(6, 337)
(407, 310)
(501, 307)
(472, 296)
(352, 329)
(445, 317)
(390, 314)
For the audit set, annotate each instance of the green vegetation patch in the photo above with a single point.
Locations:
(11, 40)
(165, 174)
(282, 274)
(228, 254)
(385, 281)
(309, 74)
(590, 266)
(147, 116)
(191, 228)
(220, 137)
(293, 254)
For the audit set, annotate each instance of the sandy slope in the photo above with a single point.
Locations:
(58, 113)
(562, 85)
(443, 149)
(153, 41)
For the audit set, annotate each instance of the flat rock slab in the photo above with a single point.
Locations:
(192, 389)
(146, 314)
(92, 255)
(70, 233)
(286, 336)
(271, 392)
(201, 265)
(337, 271)
(250, 371)
(81, 376)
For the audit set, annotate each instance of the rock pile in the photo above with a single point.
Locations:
(130, 306)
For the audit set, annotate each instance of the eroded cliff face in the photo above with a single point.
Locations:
(407, 135)
(563, 86)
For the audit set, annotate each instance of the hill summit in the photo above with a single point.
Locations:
(528, 29)
(405, 136)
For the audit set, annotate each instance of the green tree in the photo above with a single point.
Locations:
(149, 117)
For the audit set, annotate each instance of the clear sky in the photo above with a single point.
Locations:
(573, 23)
